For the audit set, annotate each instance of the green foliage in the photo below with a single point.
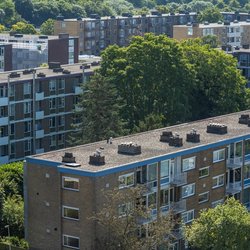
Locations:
(99, 111)
(23, 28)
(47, 28)
(224, 227)
(210, 40)
(14, 241)
(2, 28)
(211, 15)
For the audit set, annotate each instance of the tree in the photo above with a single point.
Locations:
(224, 227)
(211, 40)
(2, 28)
(99, 111)
(25, 8)
(211, 15)
(47, 28)
(23, 28)
(121, 222)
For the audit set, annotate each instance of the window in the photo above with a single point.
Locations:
(70, 213)
(61, 120)
(152, 171)
(70, 183)
(61, 102)
(27, 145)
(12, 110)
(216, 203)
(165, 168)
(52, 103)
(27, 126)
(218, 181)
(187, 216)
(52, 142)
(27, 107)
(190, 31)
(71, 241)
(247, 172)
(52, 122)
(61, 83)
(60, 139)
(124, 209)
(188, 163)
(52, 85)
(12, 90)
(219, 155)
(27, 88)
(3, 91)
(12, 129)
(247, 147)
(203, 197)
(188, 190)
(126, 180)
(203, 172)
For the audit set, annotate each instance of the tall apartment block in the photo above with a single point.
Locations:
(186, 167)
(36, 108)
(18, 51)
(96, 33)
(235, 34)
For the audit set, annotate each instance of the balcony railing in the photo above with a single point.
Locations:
(3, 101)
(235, 162)
(179, 179)
(39, 115)
(4, 140)
(4, 121)
(234, 187)
(39, 133)
(179, 206)
(39, 96)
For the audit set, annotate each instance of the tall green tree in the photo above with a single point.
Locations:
(226, 226)
(47, 28)
(211, 15)
(98, 111)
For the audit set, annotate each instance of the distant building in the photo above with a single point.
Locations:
(187, 168)
(96, 33)
(234, 33)
(37, 108)
(19, 51)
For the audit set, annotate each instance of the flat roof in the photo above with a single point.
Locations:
(151, 147)
(215, 25)
(73, 68)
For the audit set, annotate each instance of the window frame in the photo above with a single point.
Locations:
(72, 179)
(72, 208)
(121, 186)
(218, 152)
(203, 176)
(217, 177)
(207, 193)
(187, 213)
(191, 194)
(70, 236)
(187, 159)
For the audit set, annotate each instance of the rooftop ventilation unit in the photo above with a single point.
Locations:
(95, 63)
(165, 136)
(97, 159)
(112, 17)
(206, 23)
(216, 128)
(57, 70)
(226, 22)
(245, 46)
(235, 21)
(68, 158)
(85, 66)
(43, 37)
(93, 16)
(220, 22)
(193, 136)
(244, 119)
(18, 35)
(41, 74)
(129, 148)
(175, 141)
(65, 71)
(28, 71)
(54, 65)
(154, 12)
(14, 75)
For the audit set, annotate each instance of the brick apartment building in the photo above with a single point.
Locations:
(36, 108)
(235, 34)
(96, 33)
(186, 167)
(18, 51)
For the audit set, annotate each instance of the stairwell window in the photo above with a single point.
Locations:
(219, 155)
(188, 163)
(70, 213)
(70, 183)
(126, 180)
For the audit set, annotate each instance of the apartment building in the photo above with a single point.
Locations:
(36, 108)
(187, 167)
(96, 33)
(18, 51)
(234, 33)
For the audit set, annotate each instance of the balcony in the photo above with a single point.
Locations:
(4, 140)
(4, 121)
(235, 162)
(179, 179)
(234, 188)
(39, 115)
(39, 150)
(39, 133)
(4, 159)
(78, 90)
(39, 96)
(179, 206)
(3, 101)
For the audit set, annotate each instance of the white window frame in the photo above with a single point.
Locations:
(52, 141)
(218, 177)
(216, 155)
(28, 149)
(187, 215)
(27, 88)
(61, 102)
(70, 179)
(72, 208)
(70, 236)
(52, 85)
(27, 107)
(189, 163)
(28, 126)
(205, 193)
(125, 185)
(203, 176)
(191, 186)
